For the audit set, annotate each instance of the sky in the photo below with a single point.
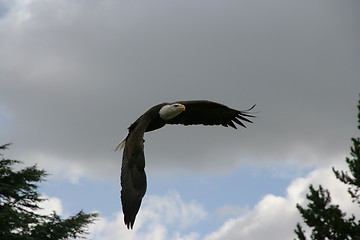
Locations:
(75, 74)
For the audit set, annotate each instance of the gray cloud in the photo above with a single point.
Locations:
(75, 75)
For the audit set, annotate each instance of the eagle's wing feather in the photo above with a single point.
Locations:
(210, 113)
(133, 177)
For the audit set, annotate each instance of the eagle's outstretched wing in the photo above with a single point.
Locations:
(133, 177)
(210, 113)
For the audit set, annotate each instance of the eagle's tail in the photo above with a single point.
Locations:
(120, 145)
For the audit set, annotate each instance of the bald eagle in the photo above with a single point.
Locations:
(133, 177)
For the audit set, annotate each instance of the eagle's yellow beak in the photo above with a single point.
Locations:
(181, 107)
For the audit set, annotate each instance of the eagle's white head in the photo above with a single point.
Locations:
(170, 111)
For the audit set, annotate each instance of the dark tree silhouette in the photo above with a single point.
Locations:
(19, 201)
(326, 220)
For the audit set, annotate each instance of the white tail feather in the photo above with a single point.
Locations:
(120, 145)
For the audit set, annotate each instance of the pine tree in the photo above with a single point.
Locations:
(19, 201)
(326, 220)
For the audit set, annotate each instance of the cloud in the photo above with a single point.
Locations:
(50, 205)
(105, 229)
(172, 210)
(59, 168)
(75, 75)
(275, 217)
(161, 217)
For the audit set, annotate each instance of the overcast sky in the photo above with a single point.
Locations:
(75, 74)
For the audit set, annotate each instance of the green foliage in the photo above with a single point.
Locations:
(352, 179)
(326, 220)
(300, 232)
(19, 201)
